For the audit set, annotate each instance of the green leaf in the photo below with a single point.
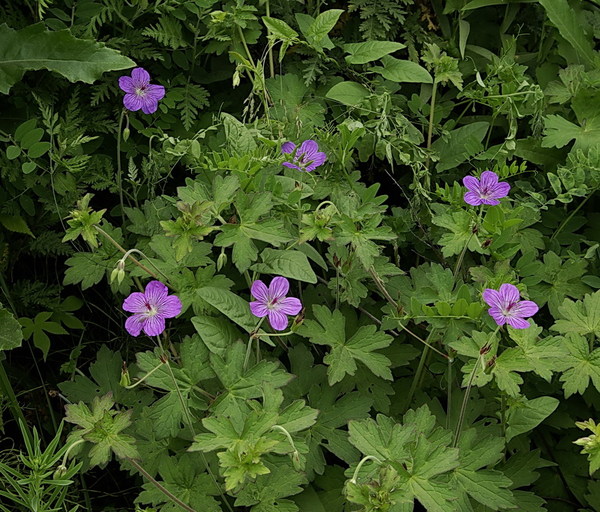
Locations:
(361, 53)
(316, 34)
(524, 415)
(566, 19)
(581, 317)
(231, 305)
(217, 333)
(38, 327)
(11, 334)
(34, 48)
(292, 264)
(330, 329)
(279, 28)
(186, 477)
(460, 145)
(581, 365)
(398, 70)
(15, 223)
(348, 93)
(38, 149)
(558, 132)
(13, 152)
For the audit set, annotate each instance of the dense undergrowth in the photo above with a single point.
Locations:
(400, 314)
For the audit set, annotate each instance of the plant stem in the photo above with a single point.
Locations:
(119, 169)
(270, 49)
(129, 256)
(160, 487)
(360, 464)
(566, 221)
(7, 390)
(463, 406)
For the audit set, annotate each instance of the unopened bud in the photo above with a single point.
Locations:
(298, 321)
(126, 133)
(296, 461)
(485, 349)
(125, 379)
(490, 366)
(59, 473)
(236, 78)
(221, 260)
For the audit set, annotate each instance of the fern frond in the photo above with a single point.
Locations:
(168, 32)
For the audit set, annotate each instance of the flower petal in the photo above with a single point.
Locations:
(517, 323)
(292, 166)
(509, 294)
(170, 306)
(140, 77)
(497, 315)
(317, 160)
(525, 308)
(308, 148)
(491, 202)
(501, 190)
(488, 179)
(258, 309)
(472, 183)
(288, 147)
(278, 288)
(156, 92)
(135, 303)
(492, 297)
(132, 102)
(154, 325)
(289, 306)
(260, 291)
(278, 320)
(134, 324)
(149, 105)
(156, 292)
(473, 199)
(126, 84)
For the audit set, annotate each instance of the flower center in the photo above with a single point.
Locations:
(141, 91)
(272, 304)
(151, 310)
(507, 310)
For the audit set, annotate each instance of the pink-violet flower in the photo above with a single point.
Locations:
(150, 309)
(487, 190)
(507, 308)
(140, 93)
(272, 302)
(307, 158)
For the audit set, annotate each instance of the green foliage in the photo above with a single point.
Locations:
(392, 389)
(34, 48)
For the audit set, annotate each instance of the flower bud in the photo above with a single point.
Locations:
(125, 379)
(126, 133)
(59, 473)
(297, 321)
(236, 79)
(221, 260)
(296, 461)
(490, 366)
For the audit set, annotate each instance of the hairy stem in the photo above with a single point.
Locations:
(119, 169)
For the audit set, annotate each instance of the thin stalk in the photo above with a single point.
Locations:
(270, 47)
(160, 487)
(360, 464)
(188, 416)
(119, 169)
(142, 254)
(449, 399)
(243, 39)
(566, 221)
(463, 406)
(13, 404)
(124, 251)
(145, 376)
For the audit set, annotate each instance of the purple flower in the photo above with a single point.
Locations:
(141, 94)
(486, 191)
(150, 308)
(272, 301)
(307, 158)
(507, 308)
